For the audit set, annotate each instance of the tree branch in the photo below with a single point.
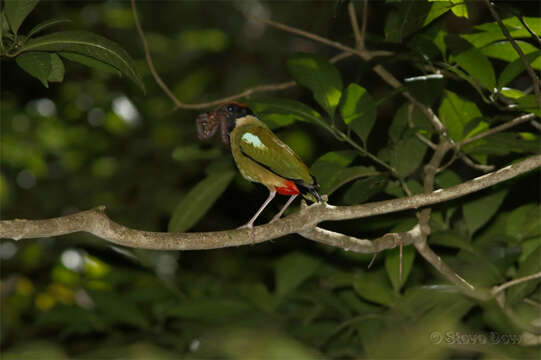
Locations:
(97, 223)
(535, 79)
(497, 289)
(496, 129)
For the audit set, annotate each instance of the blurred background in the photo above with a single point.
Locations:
(96, 139)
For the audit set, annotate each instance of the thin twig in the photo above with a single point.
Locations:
(469, 162)
(497, 289)
(355, 26)
(496, 129)
(536, 125)
(534, 35)
(535, 79)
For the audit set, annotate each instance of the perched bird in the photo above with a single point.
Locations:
(260, 155)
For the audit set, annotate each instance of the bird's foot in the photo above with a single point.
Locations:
(251, 227)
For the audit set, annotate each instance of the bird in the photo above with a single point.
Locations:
(260, 156)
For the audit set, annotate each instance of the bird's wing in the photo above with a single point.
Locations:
(262, 146)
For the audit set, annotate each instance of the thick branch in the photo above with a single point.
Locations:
(97, 223)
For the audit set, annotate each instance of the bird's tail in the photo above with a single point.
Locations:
(309, 191)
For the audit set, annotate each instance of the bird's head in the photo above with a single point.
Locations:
(224, 117)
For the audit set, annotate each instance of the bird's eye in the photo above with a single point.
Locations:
(230, 108)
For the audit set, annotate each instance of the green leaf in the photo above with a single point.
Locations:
(90, 62)
(47, 24)
(320, 76)
(478, 66)
(374, 286)
(427, 88)
(87, 44)
(529, 103)
(332, 171)
(407, 155)
(438, 9)
(117, 310)
(503, 50)
(529, 266)
(281, 112)
(455, 113)
(57, 69)
(292, 270)
(363, 189)
(447, 178)
(511, 93)
(512, 70)
(219, 310)
(199, 200)
(405, 119)
(16, 11)
(409, 17)
(503, 143)
(392, 265)
(479, 210)
(193, 152)
(459, 8)
(451, 239)
(358, 110)
(37, 64)
(529, 246)
(490, 32)
(524, 222)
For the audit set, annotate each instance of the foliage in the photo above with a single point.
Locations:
(88, 139)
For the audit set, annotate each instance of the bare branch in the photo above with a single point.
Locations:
(466, 160)
(536, 125)
(359, 39)
(97, 223)
(502, 287)
(449, 274)
(350, 243)
(535, 79)
(534, 35)
(497, 129)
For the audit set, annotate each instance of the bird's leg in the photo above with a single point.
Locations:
(250, 224)
(289, 201)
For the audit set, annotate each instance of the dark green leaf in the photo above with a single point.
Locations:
(281, 112)
(392, 265)
(447, 178)
(320, 76)
(16, 11)
(87, 44)
(479, 210)
(192, 152)
(57, 69)
(524, 222)
(529, 103)
(292, 270)
(90, 62)
(478, 66)
(455, 113)
(490, 32)
(528, 247)
(197, 202)
(37, 64)
(210, 310)
(364, 189)
(426, 89)
(516, 67)
(407, 155)
(117, 310)
(504, 143)
(411, 16)
(450, 239)
(405, 118)
(374, 286)
(530, 266)
(47, 24)
(358, 110)
(430, 43)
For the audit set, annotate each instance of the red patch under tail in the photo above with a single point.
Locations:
(289, 188)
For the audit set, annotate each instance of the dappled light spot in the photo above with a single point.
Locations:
(25, 179)
(7, 250)
(45, 107)
(125, 109)
(72, 259)
(95, 116)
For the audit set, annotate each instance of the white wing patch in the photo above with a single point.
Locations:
(253, 140)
